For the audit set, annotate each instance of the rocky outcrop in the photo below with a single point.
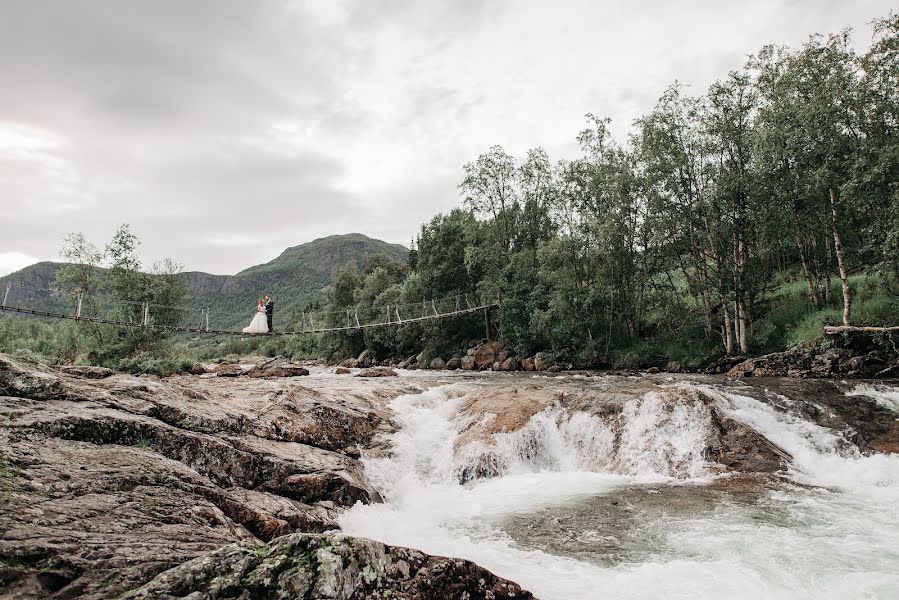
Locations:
(334, 567)
(107, 482)
(848, 352)
(277, 367)
(378, 372)
(727, 445)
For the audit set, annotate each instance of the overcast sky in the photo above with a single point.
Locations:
(225, 131)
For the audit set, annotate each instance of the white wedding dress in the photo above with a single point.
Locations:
(259, 324)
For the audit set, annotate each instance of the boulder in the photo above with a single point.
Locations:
(496, 366)
(553, 369)
(277, 367)
(349, 363)
(197, 369)
(542, 361)
(228, 370)
(485, 354)
(510, 364)
(437, 364)
(471, 351)
(337, 567)
(653, 370)
(454, 364)
(378, 372)
(364, 359)
(468, 363)
(504, 355)
(674, 367)
(342, 371)
(527, 364)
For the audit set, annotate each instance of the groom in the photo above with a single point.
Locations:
(269, 311)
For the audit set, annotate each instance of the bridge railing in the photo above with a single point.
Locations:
(99, 308)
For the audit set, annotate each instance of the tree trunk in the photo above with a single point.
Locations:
(812, 292)
(728, 334)
(828, 269)
(841, 263)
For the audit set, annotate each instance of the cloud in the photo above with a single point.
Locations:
(13, 261)
(226, 130)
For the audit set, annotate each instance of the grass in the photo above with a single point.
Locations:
(790, 321)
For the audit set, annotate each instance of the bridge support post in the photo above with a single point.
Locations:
(434, 307)
(356, 316)
(6, 294)
(78, 307)
(146, 320)
(206, 319)
(487, 322)
(399, 319)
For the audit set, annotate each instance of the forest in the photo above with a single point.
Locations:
(738, 221)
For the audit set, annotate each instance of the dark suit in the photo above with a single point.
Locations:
(269, 312)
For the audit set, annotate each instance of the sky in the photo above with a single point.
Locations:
(224, 131)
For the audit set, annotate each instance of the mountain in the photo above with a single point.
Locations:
(300, 276)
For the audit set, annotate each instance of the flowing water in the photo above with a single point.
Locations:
(583, 505)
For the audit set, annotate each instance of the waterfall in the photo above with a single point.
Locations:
(827, 530)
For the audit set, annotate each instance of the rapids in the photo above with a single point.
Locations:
(582, 504)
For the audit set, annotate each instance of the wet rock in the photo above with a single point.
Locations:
(108, 482)
(364, 359)
(28, 380)
(723, 365)
(728, 444)
(378, 372)
(674, 367)
(409, 363)
(553, 369)
(528, 364)
(468, 363)
(341, 371)
(436, 364)
(350, 363)
(653, 370)
(303, 566)
(277, 367)
(454, 364)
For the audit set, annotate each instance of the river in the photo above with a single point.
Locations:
(632, 506)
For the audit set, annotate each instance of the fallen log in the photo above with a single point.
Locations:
(837, 330)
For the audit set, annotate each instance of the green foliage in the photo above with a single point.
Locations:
(154, 364)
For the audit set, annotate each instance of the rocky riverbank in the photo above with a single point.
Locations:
(108, 481)
(854, 354)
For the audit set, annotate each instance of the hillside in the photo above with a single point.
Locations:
(298, 277)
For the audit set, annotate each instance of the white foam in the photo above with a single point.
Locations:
(883, 394)
(802, 543)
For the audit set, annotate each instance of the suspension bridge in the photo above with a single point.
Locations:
(99, 309)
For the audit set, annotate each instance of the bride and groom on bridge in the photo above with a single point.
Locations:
(262, 320)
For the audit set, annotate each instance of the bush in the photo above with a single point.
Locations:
(154, 365)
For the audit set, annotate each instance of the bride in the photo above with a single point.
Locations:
(259, 324)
